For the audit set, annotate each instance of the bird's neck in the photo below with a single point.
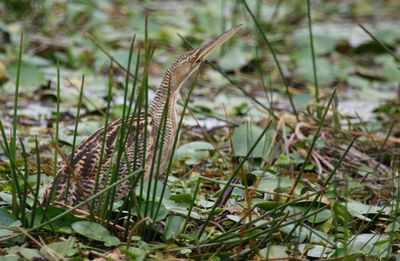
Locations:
(164, 99)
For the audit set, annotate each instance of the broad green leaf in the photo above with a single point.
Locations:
(274, 184)
(153, 186)
(59, 249)
(135, 253)
(233, 59)
(358, 209)
(182, 198)
(9, 258)
(174, 226)
(341, 213)
(29, 253)
(302, 100)
(274, 251)
(324, 70)
(299, 232)
(31, 77)
(91, 230)
(192, 152)
(387, 35)
(315, 251)
(303, 233)
(246, 135)
(162, 213)
(322, 44)
(111, 241)
(8, 220)
(267, 205)
(61, 224)
(177, 208)
(322, 216)
(370, 245)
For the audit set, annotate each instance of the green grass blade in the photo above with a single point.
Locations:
(285, 83)
(316, 86)
(314, 140)
(234, 174)
(110, 197)
(16, 193)
(79, 205)
(176, 139)
(38, 175)
(24, 195)
(384, 46)
(57, 119)
(78, 111)
(107, 117)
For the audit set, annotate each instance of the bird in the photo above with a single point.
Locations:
(76, 176)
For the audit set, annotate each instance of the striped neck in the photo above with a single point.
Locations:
(157, 106)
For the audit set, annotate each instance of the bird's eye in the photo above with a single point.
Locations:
(192, 59)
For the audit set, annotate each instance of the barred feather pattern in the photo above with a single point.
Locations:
(86, 158)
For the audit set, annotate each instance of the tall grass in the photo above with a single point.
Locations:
(78, 111)
(16, 193)
(274, 56)
(106, 121)
(140, 210)
(316, 86)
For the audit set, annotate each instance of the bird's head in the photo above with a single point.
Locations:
(187, 64)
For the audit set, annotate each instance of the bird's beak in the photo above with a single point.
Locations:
(205, 50)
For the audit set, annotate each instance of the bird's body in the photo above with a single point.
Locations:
(76, 178)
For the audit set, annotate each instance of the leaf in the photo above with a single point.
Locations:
(233, 59)
(266, 205)
(192, 152)
(274, 184)
(303, 233)
(341, 213)
(324, 70)
(246, 135)
(61, 224)
(30, 253)
(64, 248)
(135, 253)
(8, 220)
(370, 245)
(9, 258)
(182, 198)
(90, 230)
(153, 186)
(299, 232)
(111, 241)
(322, 44)
(358, 209)
(274, 251)
(162, 213)
(315, 251)
(322, 216)
(174, 207)
(31, 77)
(302, 100)
(388, 35)
(95, 231)
(174, 226)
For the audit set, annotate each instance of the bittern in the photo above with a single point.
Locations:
(75, 187)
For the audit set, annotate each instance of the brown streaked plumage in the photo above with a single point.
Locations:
(86, 157)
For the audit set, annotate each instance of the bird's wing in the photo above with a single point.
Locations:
(85, 160)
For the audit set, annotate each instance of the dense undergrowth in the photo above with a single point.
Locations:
(294, 123)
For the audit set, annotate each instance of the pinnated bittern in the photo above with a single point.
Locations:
(86, 158)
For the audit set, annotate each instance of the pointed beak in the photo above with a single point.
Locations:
(205, 50)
